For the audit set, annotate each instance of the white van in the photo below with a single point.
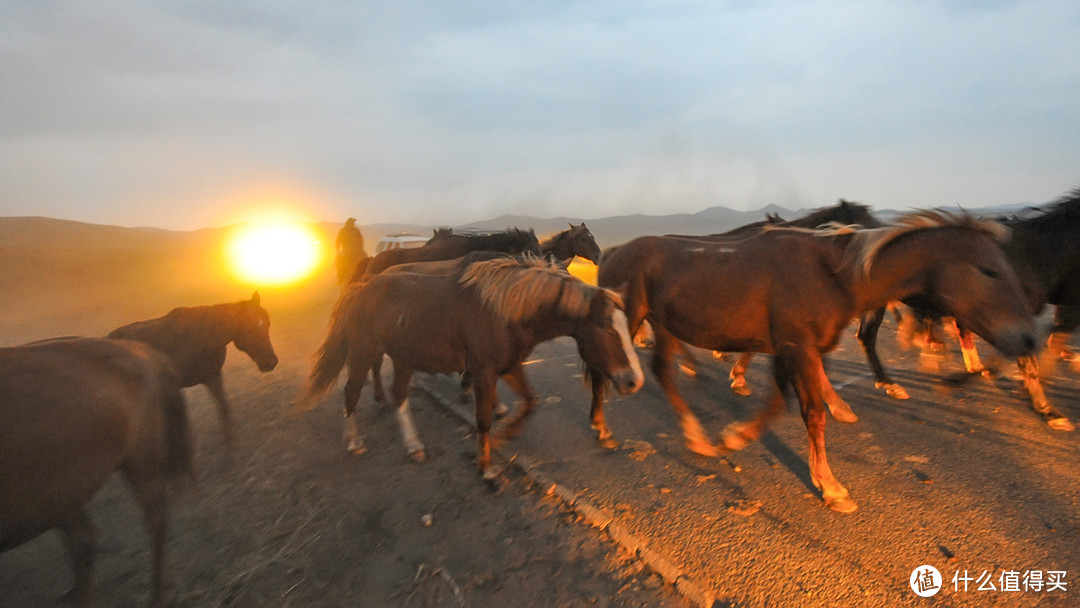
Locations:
(402, 240)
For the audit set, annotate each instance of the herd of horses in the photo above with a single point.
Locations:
(74, 410)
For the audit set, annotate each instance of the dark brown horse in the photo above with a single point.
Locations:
(195, 339)
(485, 321)
(575, 241)
(1045, 251)
(73, 411)
(444, 247)
(790, 292)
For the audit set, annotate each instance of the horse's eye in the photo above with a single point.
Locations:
(989, 272)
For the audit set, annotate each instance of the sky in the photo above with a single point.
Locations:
(190, 114)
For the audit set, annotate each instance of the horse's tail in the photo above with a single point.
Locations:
(331, 356)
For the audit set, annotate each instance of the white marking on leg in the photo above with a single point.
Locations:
(618, 320)
(408, 429)
(350, 432)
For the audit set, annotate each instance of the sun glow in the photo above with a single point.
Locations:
(274, 253)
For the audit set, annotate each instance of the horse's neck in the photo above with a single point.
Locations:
(556, 247)
(216, 325)
(899, 270)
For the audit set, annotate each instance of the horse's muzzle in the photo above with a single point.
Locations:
(1017, 341)
(627, 381)
(269, 363)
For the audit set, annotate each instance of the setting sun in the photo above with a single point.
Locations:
(274, 254)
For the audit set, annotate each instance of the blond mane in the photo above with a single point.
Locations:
(867, 244)
(518, 290)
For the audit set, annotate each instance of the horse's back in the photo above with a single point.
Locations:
(74, 411)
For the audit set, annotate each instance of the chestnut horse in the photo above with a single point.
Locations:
(195, 339)
(1045, 252)
(73, 411)
(485, 321)
(446, 245)
(790, 292)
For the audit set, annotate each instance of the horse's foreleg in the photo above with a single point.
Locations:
(972, 363)
(216, 386)
(149, 489)
(79, 536)
(867, 336)
(738, 375)
(402, 378)
(520, 385)
(806, 378)
(693, 432)
(486, 396)
(687, 361)
(1029, 371)
(604, 435)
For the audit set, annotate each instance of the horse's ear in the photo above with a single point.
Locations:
(255, 298)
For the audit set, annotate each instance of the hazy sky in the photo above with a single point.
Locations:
(186, 114)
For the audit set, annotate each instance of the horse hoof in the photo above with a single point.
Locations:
(1061, 424)
(740, 389)
(704, 448)
(893, 390)
(842, 505)
(608, 443)
(491, 473)
(734, 437)
(418, 456)
(844, 414)
(500, 410)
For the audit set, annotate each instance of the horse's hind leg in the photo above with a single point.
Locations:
(78, 533)
(520, 385)
(867, 336)
(666, 345)
(1029, 370)
(738, 375)
(148, 485)
(216, 386)
(402, 377)
(358, 371)
(839, 408)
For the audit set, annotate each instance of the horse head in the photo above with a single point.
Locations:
(603, 341)
(584, 245)
(252, 333)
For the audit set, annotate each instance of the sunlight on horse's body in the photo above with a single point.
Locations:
(73, 411)
(574, 241)
(195, 339)
(844, 213)
(805, 287)
(1045, 252)
(486, 322)
(448, 245)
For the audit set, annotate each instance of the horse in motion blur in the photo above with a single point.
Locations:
(1045, 252)
(449, 245)
(574, 241)
(73, 411)
(484, 320)
(195, 338)
(806, 287)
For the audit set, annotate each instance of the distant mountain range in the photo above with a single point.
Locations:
(23, 232)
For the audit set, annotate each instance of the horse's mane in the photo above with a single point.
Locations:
(847, 211)
(518, 289)
(867, 244)
(498, 240)
(1064, 209)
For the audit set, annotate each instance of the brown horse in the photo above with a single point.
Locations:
(575, 241)
(448, 246)
(790, 292)
(485, 321)
(73, 411)
(1045, 252)
(195, 339)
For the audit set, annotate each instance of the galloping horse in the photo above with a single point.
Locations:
(575, 241)
(790, 292)
(485, 321)
(73, 411)
(195, 338)
(448, 246)
(1045, 251)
